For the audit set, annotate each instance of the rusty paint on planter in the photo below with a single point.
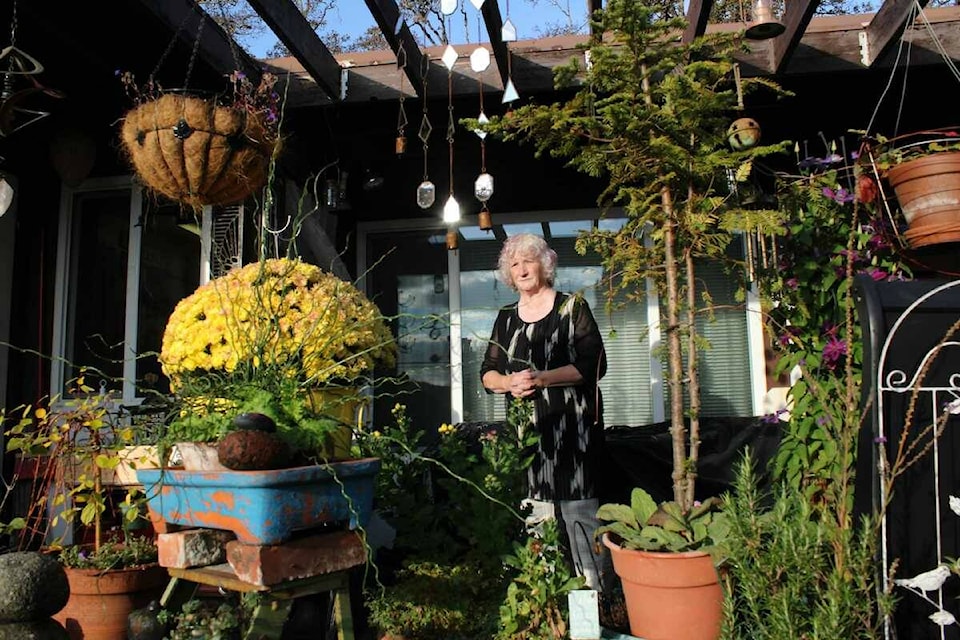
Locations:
(264, 507)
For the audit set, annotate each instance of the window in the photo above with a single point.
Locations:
(123, 264)
(633, 388)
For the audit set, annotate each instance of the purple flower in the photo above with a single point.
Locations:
(841, 195)
(833, 351)
(792, 283)
(878, 275)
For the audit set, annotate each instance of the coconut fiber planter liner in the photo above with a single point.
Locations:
(195, 151)
(263, 507)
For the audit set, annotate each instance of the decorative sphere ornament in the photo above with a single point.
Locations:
(483, 187)
(743, 133)
(426, 194)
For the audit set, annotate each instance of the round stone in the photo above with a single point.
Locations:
(33, 586)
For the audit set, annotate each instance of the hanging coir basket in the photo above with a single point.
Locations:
(196, 151)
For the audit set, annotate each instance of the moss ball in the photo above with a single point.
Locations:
(33, 586)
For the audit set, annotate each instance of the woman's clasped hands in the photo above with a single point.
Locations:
(523, 383)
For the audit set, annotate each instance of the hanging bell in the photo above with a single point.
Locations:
(401, 146)
(486, 223)
(453, 239)
(764, 25)
(743, 133)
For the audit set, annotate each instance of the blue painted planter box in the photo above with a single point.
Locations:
(263, 507)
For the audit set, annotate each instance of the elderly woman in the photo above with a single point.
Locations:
(547, 347)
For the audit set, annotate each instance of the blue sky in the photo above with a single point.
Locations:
(530, 18)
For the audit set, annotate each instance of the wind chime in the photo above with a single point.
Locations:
(451, 208)
(483, 186)
(426, 191)
(15, 63)
(508, 33)
(742, 134)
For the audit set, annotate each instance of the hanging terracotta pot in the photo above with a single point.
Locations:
(100, 601)
(928, 191)
(195, 151)
(669, 596)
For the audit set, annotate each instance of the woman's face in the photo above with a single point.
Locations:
(525, 271)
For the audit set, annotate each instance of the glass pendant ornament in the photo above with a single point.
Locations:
(449, 57)
(481, 119)
(479, 60)
(426, 194)
(451, 210)
(447, 7)
(508, 32)
(510, 92)
(483, 187)
(477, 4)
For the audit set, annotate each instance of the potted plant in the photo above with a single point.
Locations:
(202, 150)
(923, 169)
(281, 340)
(111, 571)
(650, 118)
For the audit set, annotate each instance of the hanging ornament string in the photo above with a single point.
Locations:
(426, 192)
(401, 144)
(483, 186)
(508, 33)
(451, 209)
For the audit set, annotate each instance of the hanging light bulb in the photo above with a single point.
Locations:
(451, 210)
(765, 25)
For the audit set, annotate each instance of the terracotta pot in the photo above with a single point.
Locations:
(928, 191)
(100, 601)
(669, 596)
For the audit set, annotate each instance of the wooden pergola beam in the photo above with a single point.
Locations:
(698, 13)
(387, 15)
(796, 19)
(291, 27)
(886, 27)
(494, 23)
(216, 47)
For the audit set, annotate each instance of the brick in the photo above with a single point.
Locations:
(266, 565)
(192, 547)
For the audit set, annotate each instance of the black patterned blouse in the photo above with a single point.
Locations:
(568, 418)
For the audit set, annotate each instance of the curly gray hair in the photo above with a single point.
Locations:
(527, 245)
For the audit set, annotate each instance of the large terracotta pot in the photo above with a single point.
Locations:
(928, 191)
(100, 601)
(669, 596)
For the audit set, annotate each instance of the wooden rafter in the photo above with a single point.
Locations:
(887, 25)
(387, 15)
(494, 22)
(796, 19)
(215, 46)
(697, 15)
(291, 27)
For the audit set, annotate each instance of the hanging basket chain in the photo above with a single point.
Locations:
(170, 45)
(193, 53)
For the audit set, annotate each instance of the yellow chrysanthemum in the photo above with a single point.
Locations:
(280, 314)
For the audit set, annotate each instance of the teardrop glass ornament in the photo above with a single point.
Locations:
(426, 194)
(448, 6)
